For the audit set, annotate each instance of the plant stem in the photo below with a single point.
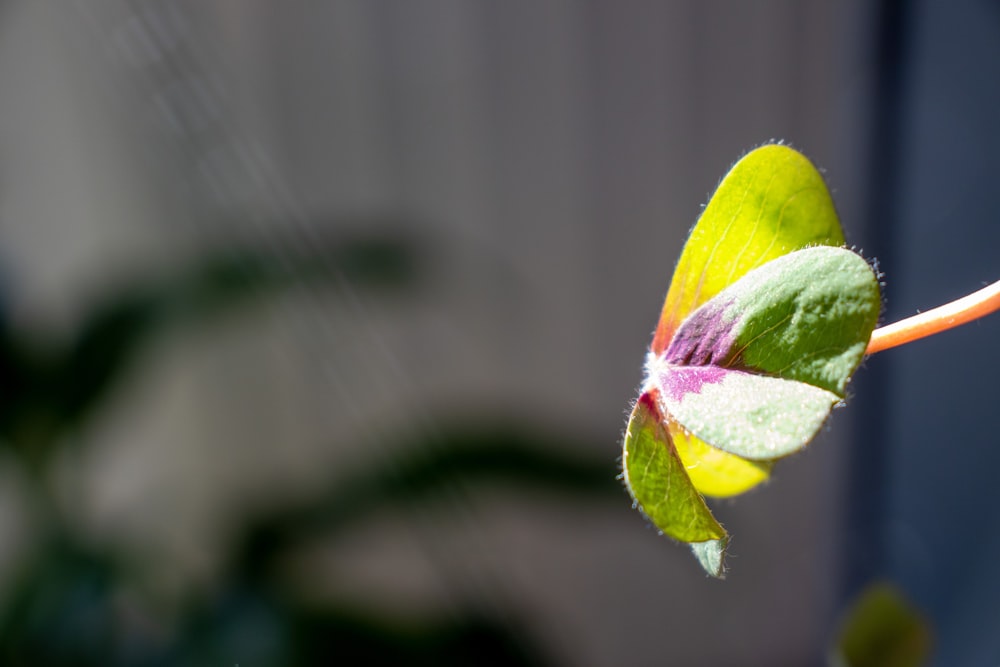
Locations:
(942, 318)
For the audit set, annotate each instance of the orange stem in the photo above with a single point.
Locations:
(942, 318)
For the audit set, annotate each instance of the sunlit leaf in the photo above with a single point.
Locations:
(656, 478)
(765, 321)
(756, 370)
(713, 471)
(753, 416)
(772, 201)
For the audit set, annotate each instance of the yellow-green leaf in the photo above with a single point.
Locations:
(772, 201)
(657, 481)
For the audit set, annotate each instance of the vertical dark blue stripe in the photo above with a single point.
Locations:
(867, 474)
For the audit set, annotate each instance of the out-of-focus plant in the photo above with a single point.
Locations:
(66, 608)
(49, 386)
(881, 629)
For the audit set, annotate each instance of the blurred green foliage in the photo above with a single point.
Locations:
(67, 606)
(882, 629)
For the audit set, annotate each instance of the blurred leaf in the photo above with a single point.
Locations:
(882, 629)
(239, 625)
(49, 389)
(67, 611)
(470, 638)
(388, 261)
(60, 611)
(67, 607)
(457, 457)
(252, 629)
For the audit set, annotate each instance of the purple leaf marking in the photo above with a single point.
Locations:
(706, 337)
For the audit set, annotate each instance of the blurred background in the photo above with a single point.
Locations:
(319, 323)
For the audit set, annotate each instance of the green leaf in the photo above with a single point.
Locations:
(772, 201)
(882, 629)
(711, 556)
(756, 370)
(805, 316)
(657, 481)
(753, 416)
(713, 471)
(766, 318)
